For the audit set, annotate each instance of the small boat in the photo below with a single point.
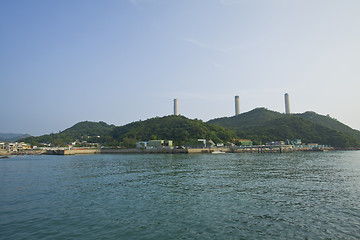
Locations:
(1, 157)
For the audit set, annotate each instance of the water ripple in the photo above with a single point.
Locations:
(229, 196)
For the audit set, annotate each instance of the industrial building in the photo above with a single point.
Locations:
(176, 110)
(287, 104)
(237, 105)
(155, 144)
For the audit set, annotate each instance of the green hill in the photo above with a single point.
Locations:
(332, 123)
(248, 120)
(82, 131)
(262, 125)
(179, 129)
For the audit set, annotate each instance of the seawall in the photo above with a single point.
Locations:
(72, 151)
(142, 151)
(249, 149)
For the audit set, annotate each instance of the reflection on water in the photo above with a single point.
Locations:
(228, 196)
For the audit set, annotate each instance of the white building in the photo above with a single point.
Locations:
(11, 147)
(141, 144)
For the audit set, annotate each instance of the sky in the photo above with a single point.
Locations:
(119, 61)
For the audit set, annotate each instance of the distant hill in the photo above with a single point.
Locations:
(83, 131)
(88, 128)
(262, 125)
(177, 128)
(332, 123)
(12, 137)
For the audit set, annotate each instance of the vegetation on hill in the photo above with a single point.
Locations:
(179, 129)
(292, 127)
(248, 120)
(82, 131)
(262, 125)
(330, 122)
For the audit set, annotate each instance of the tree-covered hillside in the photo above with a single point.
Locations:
(330, 122)
(82, 131)
(179, 129)
(293, 127)
(262, 125)
(253, 118)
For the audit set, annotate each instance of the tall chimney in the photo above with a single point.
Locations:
(237, 105)
(176, 111)
(287, 104)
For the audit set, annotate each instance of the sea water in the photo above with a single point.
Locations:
(302, 195)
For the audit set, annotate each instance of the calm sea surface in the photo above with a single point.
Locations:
(226, 196)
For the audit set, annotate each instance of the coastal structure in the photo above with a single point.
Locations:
(9, 148)
(287, 104)
(244, 142)
(159, 144)
(237, 105)
(155, 144)
(176, 110)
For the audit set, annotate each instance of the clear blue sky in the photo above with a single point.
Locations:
(120, 61)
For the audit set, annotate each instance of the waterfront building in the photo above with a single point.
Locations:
(22, 146)
(159, 144)
(245, 142)
(11, 147)
(293, 142)
(141, 144)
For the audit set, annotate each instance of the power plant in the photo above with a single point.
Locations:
(176, 110)
(287, 104)
(237, 105)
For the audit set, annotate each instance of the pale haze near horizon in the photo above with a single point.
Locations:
(62, 62)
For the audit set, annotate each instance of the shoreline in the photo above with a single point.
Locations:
(253, 149)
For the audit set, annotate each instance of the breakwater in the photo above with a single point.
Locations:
(246, 149)
(136, 151)
(243, 149)
(72, 151)
(113, 151)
